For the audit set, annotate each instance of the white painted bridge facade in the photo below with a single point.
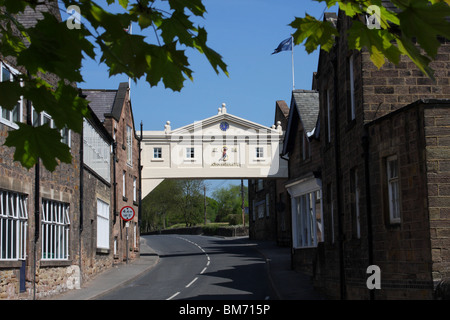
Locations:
(223, 146)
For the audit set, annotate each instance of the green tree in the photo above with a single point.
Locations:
(415, 25)
(159, 207)
(51, 47)
(191, 201)
(230, 203)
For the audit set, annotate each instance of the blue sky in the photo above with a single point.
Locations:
(245, 33)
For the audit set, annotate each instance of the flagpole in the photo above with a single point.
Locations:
(292, 44)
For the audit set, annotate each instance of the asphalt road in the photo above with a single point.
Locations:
(200, 268)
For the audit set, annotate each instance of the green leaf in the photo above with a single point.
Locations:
(123, 3)
(56, 49)
(14, 90)
(426, 22)
(169, 65)
(195, 6)
(408, 48)
(317, 33)
(32, 143)
(377, 41)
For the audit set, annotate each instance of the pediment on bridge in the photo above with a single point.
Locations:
(225, 123)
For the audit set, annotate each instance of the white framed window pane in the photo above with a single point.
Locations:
(102, 224)
(13, 225)
(55, 226)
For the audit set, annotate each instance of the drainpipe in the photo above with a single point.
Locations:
(140, 182)
(114, 181)
(36, 200)
(366, 144)
(343, 291)
(80, 231)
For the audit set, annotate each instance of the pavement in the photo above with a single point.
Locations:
(286, 283)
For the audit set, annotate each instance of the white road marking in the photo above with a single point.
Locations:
(189, 284)
(173, 296)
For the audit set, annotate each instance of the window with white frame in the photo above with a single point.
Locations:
(259, 152)
(124, 184)
(190, 153)
(129, 146)
(157, 153)
(393, 189)
(96, 151)
(102, 224)
(13, 225)
(38, 119)
(308, 220)
(55, 230)
(134, 189)
(9, 117)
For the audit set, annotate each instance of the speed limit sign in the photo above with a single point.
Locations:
(127, 213)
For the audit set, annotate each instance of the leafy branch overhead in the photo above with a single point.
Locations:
(50, 47)
(414, 22)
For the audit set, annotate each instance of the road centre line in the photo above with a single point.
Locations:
(204, 269)
(173, 296)
(189, 284)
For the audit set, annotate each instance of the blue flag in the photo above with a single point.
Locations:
(285, 45)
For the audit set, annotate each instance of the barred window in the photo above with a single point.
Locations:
(13, 225)
(55, 230)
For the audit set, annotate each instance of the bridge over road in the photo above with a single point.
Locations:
(223, 146)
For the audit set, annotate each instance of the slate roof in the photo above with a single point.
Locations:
(105, 102)
(307, 104)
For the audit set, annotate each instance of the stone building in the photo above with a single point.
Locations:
(304, 186)
(383, 155)
(113, 108)
(268, 203)
(60, 228)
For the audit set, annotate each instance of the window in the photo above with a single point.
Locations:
(355, 203)
(157, 153)
(9, 117)
(259, 184)
(331, 208)
(305, 147)
(102, 224)
(13, 225)
(129, 146)
(352, 87)
(190, 154)
(124, 184)
(96, 151)
(259, 152)
(260, 207)
(308, 220)
(328, 133)
(134, 189)
(393, 189)
(38, 119)
(267, 204)
(55, 230)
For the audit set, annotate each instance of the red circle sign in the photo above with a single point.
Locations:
(127, 213)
